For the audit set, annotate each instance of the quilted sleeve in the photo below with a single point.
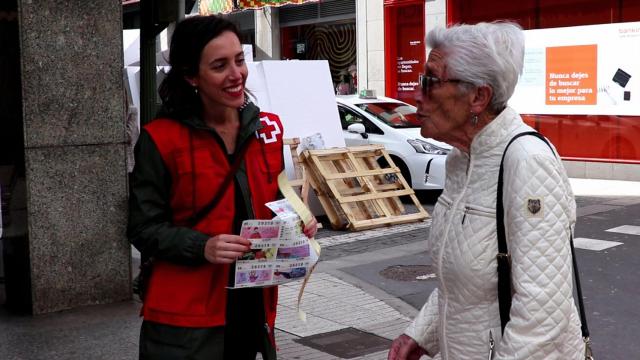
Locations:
(539, 211)
(424, 328)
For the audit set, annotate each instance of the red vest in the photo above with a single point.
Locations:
(195, 296)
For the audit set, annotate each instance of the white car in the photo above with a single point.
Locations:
(393, 123)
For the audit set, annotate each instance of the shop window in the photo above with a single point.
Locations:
(334, 42)
(610, 137)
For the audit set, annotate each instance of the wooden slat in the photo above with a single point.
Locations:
(374, 223)
(298, 169)
(337, 150)
(376, 172)
(381, 188)
(375, 196)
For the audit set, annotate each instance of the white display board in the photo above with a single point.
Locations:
(582, 70)
(301, 94)
(131, 48)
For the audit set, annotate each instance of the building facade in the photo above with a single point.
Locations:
(593, 144)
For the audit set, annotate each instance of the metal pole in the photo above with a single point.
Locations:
(181, 10)
(147, 62)
(155, 16)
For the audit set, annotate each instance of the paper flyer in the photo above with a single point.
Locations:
(280, 252)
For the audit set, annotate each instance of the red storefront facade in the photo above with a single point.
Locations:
(404, 28)
(592, 138)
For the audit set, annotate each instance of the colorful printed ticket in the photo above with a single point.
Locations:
(280, 252)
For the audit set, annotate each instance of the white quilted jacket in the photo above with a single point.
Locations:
(455, 322)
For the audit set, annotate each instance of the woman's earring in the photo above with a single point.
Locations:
(194, 86)
(474, 120)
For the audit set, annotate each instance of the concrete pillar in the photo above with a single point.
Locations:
(267, 34)
(71, 54)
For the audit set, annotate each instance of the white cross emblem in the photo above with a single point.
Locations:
(270, 127)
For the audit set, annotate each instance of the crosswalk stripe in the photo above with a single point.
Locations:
(626, 229)
(594, 244)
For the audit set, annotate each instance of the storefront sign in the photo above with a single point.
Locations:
(212, 7)
(408, 73)
(255, 4)
(581, 70)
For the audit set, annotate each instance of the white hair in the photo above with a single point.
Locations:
(483, 54)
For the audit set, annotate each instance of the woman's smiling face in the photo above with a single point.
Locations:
(222, 72)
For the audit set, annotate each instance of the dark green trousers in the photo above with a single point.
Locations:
(165, 342)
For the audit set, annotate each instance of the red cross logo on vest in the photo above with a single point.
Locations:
(270, 130)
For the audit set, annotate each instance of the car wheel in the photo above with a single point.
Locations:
(404, 170)
(429, 197)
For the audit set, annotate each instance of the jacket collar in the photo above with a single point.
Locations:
(249, 121)
(491, 137)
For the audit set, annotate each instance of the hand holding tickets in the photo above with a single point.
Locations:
(279, 249)
(225, 249)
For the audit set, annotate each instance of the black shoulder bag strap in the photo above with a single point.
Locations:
(200, 214)
(504, 259)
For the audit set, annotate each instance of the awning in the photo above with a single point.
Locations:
(212, 7)
(208, 7)
(253, 4)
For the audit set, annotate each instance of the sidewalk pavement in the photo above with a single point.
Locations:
(596, 187)
(331, 305)
(345, 316)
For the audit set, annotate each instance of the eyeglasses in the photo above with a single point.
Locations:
(427, 82)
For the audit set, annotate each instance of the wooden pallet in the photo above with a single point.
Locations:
(355, 192)
(300, 182)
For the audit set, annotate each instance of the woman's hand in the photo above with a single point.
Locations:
(225, 249)
(405, 348)
(311, 228)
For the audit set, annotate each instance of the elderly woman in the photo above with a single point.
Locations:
(470, 75)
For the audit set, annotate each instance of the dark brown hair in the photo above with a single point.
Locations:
(191, 35)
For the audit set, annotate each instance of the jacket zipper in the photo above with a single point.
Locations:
(492, 345)
(476, 211)
(443, 318)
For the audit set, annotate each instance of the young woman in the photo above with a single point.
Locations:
(209, 161)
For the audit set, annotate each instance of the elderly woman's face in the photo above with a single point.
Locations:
(443, 107)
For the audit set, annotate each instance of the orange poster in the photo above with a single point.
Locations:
(572, 75)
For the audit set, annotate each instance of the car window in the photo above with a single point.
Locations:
(397, 115)
(348, 117)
